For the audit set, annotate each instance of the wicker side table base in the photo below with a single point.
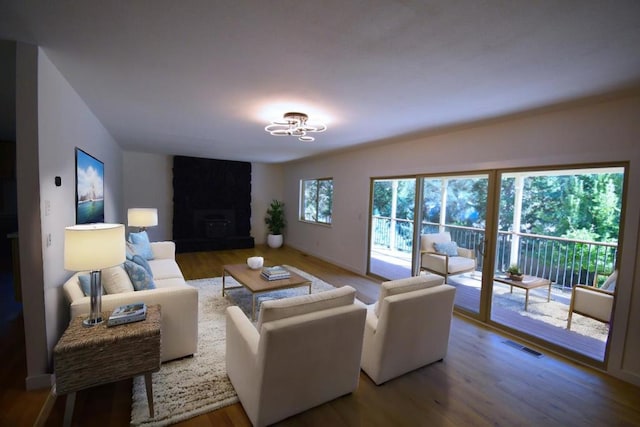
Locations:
(87, 357)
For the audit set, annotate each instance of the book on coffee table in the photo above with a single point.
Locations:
(275, 273)
(128, 313)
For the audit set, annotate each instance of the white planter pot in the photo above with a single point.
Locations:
(274, 240)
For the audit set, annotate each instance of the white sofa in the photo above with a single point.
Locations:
(178, 301)
(408, 328)
(304, 352)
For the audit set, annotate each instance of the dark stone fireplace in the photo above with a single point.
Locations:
(212, 204)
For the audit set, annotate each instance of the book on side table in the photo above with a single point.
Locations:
(128, 313)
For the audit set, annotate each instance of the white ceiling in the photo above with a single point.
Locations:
(202, 78)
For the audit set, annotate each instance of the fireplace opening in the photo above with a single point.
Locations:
(214, 223)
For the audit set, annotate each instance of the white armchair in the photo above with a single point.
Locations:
(408, 328)
(305, 351)
(439, 255)
(593, 302)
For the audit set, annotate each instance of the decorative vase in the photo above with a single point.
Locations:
(274, 240)
(255, 262)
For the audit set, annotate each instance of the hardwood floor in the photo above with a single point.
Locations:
(482, 381)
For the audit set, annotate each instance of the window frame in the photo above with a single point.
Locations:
(303, 199)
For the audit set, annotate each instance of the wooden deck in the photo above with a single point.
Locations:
(468, 298)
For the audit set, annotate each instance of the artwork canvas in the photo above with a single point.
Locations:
(89, 189)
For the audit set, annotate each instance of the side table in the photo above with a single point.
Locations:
(87, 357)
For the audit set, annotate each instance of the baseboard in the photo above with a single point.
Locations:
(625, 375)
(37, 382)
(327, 259)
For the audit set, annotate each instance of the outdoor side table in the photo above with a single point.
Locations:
(86, 357)
(527, 283)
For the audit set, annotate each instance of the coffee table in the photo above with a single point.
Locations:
(254, 283)
(527, 283)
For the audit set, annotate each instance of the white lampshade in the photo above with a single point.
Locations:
(93, 246)
(142, 217)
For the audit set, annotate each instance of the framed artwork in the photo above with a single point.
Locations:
(89, 188)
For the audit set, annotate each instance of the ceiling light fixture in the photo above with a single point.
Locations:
(295, 124)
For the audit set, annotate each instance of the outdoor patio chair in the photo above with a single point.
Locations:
(440, 255)
(593, 302)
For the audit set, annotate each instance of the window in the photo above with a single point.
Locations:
(316, 200)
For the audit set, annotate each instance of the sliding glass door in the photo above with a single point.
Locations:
(559, 228)
(457, 205)
(391, 225)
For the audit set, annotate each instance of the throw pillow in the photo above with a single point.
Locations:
(610, 283)
(115, 280)
(141, 244)
(143, 263)
(446, 248)
(85, 284)
(130, 250)
(140, 278)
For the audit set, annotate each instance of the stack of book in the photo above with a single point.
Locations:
(127, 314)
(275, 273)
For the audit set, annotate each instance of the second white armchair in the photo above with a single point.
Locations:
(408, 328)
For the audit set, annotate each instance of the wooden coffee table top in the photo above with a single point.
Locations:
(252, 280)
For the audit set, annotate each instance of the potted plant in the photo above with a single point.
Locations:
(275, 223)
(514, 272)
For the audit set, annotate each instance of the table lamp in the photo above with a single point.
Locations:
(142, 217)
(93, 247)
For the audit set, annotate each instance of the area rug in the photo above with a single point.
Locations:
(188, 387)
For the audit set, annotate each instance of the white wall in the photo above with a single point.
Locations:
(266, 185)
(599, 132)
(28, 183)
(63, 122)
(148, 182)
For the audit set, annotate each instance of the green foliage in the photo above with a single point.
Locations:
(325, 200)
(561, 205)
(507, 197)
(405, 202)
(382, 193)
(514, 269)
(275, 217)
(318, 200)
(577, 206)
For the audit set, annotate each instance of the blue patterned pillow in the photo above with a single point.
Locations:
(85, 284)
(446, 248)
(142, 262)
(140, 279)
(130, 251)
(141, 244)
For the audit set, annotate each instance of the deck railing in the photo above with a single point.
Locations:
(563, 261)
